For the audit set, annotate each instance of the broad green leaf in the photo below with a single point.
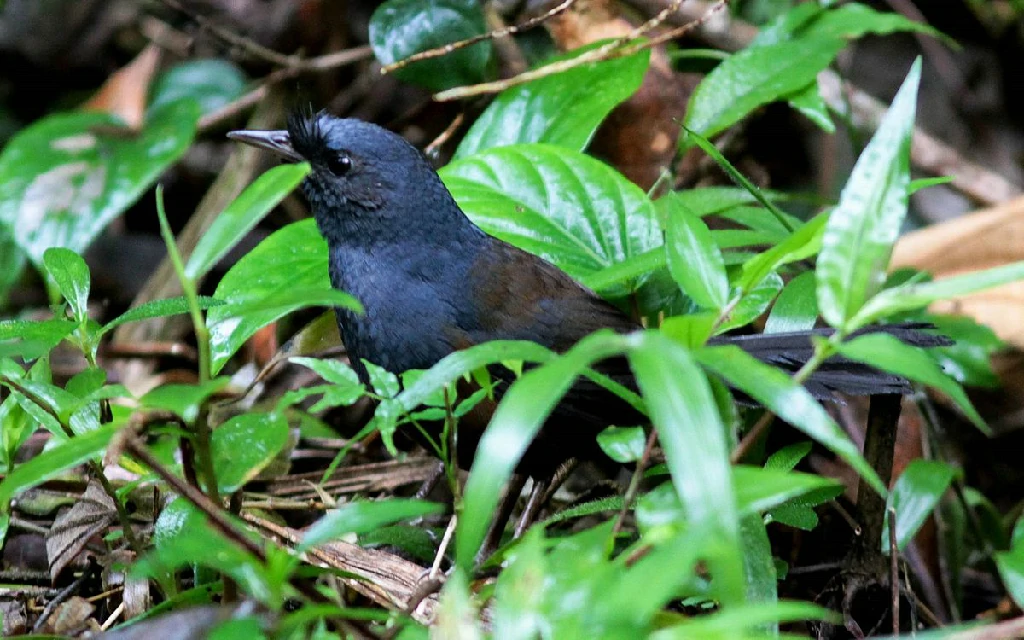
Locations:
(525, 406)
(244, 445)
(566, 207)
(808, 101)
(242, 215)
(754, 77)
(753, 303)
(564, 109)
(800, 245)
(182, 399)
(914, 496)
(759, 566)
(759, 489)
(854, 20)
(294, 257)
(1011, 570)
(63, 179)
(693, 258)
(53, 460)
(182, 536)
(692, 437)
(796, 308)
(32, 338)
(909, 297)
(788, 400)
(521, 590)
(623, 444)
(282, 302)
(708, 200)
(969, 359)
(636, 267)
(345, 387)
(400, 28)
(888, 353)
(71, 274)
(788, 457)
(416, 541)
(158, 309)
(863, 227)
(461, 363)
(211, 84)
(11, 262)
(363, 517)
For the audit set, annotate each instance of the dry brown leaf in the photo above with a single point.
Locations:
(981, 240)
(74, 528)
(124, 93)
(639, 136)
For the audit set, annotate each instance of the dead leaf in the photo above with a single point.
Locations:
(74, 528)
(639, 136)
(71, 616)
(980, 240)
(124, 93)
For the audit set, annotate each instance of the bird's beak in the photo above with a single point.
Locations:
(277, 141)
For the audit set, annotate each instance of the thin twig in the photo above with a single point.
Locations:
(609, 51)
(462, 44)
(894, 573)
(634, 482)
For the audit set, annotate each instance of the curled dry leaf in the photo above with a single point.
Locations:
(981, 240)
(74, 528)
(124, 93)
(639, 136)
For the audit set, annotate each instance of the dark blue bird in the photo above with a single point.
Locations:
(432, 283)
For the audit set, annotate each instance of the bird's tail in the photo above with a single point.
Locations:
(790, 351)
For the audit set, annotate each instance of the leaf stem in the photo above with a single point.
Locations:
(201, 427)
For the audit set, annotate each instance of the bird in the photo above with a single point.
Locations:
(431, 282)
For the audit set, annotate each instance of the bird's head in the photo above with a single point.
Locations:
(365, 181)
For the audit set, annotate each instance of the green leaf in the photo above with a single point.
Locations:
(242, 215)
(244, 445)
(158, 309)
(461, 363)
(705, 145)
(32, 339)
(364, 517)
(211, 84)
(182, 399)
(909, 297)
(291, 258)
(969, 359)
(525, 406)
(753, 303)
(568, 208)
(400, 28)
(623, 444)
(183, 537)
(809, 102)
(635, 267)
(888, 353)
(692, 437)
(741, 620)
(754, 77)
(789, 456)
(796, 309)
(855, 20)
(563, 109)
(283, 302)
(788, 400)
(800, 245)
(864, 225)
(71, 274)
(693, 258)
(759, 489)
(345, 387)
(54, 460)
(62, 180)
(1011, 570)
(759, 566)
(916, 493)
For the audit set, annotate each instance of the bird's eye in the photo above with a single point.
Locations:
(339, 164)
